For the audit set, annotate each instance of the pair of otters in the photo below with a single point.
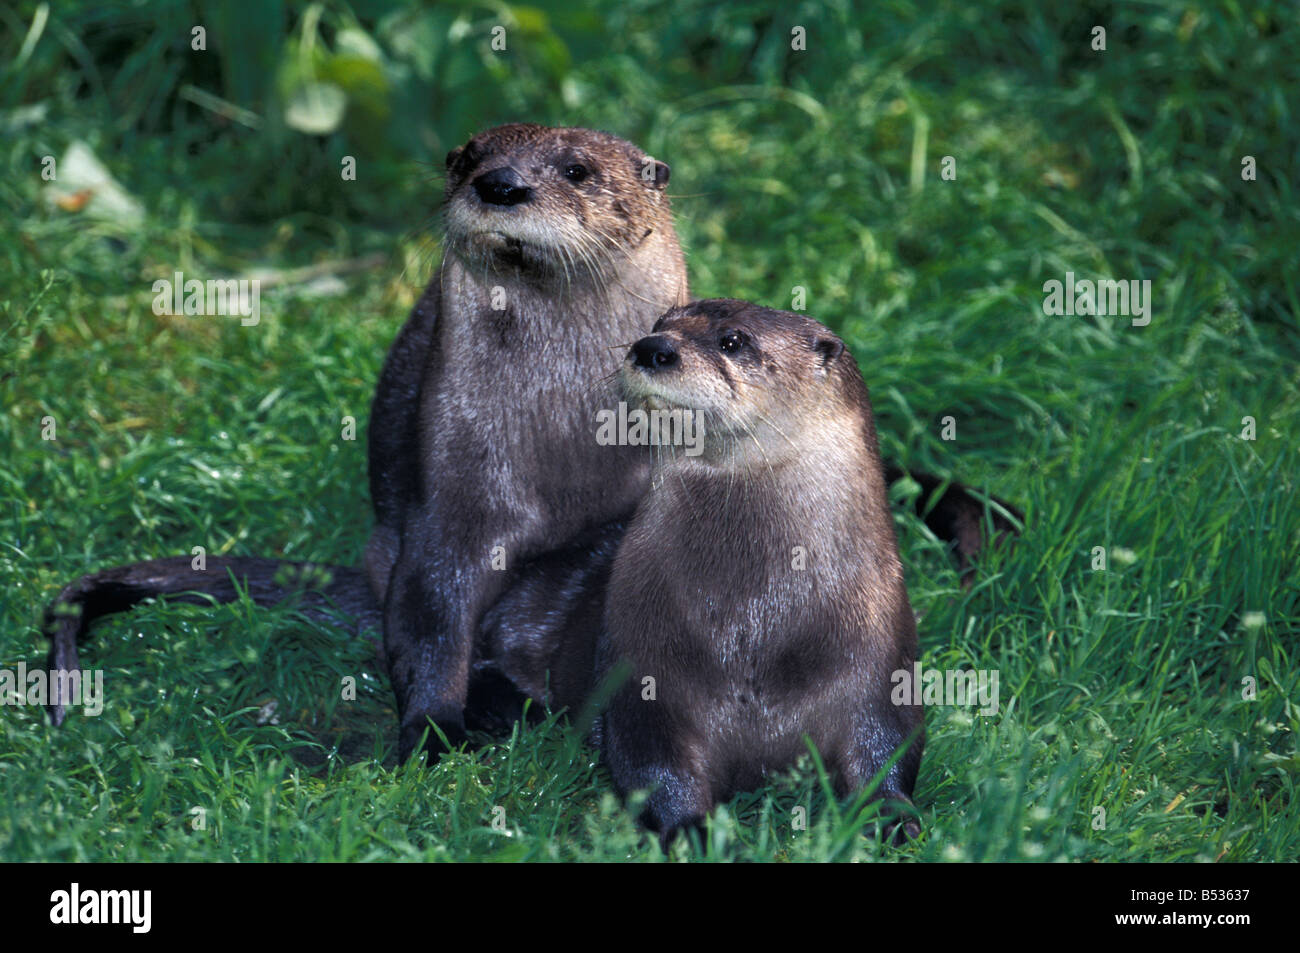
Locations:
(663, 566)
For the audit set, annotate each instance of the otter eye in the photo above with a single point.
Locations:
(731, 342)
(575, 172)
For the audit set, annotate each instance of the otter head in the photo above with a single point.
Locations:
(765, 386)
(551, 205)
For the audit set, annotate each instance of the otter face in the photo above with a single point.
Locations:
(758, 378)
(561, 203)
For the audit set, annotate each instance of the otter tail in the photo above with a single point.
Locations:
(325, 592)
(957, 515)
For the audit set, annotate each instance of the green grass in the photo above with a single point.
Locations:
(1120, 689)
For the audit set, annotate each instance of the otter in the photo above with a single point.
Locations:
(757, 596)
(559, 244)
(496, 515)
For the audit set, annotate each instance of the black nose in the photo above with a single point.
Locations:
(654, 352)
(502, 187)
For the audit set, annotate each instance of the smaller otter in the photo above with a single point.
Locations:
(757, 596)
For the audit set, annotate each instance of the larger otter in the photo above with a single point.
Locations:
(559, 248)
(757, 596)
(560, 244)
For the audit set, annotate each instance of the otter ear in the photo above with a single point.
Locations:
(654, 173)
(828, 349)
(453, 155)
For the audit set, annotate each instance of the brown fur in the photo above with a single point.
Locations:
(480, 437)
(748, 652)
(491, 412)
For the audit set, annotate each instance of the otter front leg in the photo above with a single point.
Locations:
(875, 738)
(643, 753)
(678, 802)
(441, 585)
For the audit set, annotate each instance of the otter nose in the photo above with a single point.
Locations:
(654, 352)
(502, 187)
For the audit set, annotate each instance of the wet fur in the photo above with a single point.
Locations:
(503, 442)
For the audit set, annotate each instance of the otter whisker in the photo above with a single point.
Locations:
(601, 382)
(758, 443)
(772, 423)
